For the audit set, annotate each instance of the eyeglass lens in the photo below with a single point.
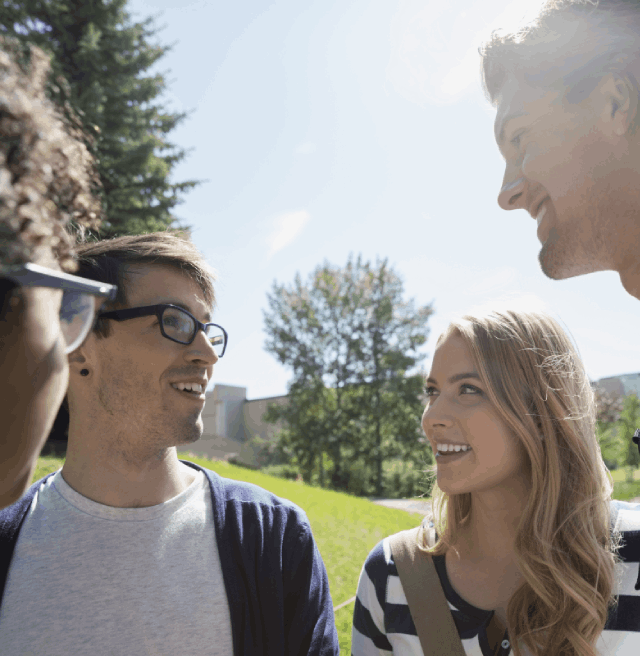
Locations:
(180, 326)
(77, 312)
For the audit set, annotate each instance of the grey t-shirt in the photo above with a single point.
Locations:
(92, 579)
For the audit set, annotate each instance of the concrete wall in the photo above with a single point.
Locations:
(631, 384)
(611, 385)
(624, 385)
(229, 421)
(254, 411)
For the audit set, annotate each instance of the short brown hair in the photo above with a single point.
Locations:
(107, 261)
(569, 47)
(47, 175)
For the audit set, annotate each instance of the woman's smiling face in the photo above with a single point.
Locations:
(459, 412)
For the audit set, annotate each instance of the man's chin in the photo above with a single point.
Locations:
(190, 434)
(558, 263)
(189, 437)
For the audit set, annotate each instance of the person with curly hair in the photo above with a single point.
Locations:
(47, 179)
(530, 551)
(566, 92)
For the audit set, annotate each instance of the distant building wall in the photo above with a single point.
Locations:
(611, 385)
(229, 421)
(253, 416)
(631, 384)
(624, 385)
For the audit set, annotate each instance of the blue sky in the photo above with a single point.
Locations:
(330, 127)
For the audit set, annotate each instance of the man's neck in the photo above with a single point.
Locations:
(123, 480)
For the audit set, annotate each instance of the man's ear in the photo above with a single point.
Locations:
(619, 103)
(78, 359)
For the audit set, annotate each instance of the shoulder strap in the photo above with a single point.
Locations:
(427, 603)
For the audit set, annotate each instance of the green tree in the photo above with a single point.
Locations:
(629, 421)
(609, 407)
(100, 62)
(350, 339)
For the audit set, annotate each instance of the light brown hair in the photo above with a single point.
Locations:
(564, 547)
(108, 261)
(569, 48)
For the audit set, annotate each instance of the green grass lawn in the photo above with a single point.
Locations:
(345, 527)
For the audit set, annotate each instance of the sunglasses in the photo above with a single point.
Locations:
(81, 297)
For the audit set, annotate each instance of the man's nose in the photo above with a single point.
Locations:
(202, 350)
(512, 195)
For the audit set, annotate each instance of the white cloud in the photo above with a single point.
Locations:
(286, 229)
(306, 148)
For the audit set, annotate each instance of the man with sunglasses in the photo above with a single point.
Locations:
(47, 176)
(145, 553)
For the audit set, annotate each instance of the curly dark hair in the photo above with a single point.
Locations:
(48, 177)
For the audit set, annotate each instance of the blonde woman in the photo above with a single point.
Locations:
(533, 556)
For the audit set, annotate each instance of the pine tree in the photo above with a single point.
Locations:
(100, 61)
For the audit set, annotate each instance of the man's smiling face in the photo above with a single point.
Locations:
(570, 166)
(134, 368)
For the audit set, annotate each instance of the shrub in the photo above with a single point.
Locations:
(289, 472)
(403, 479)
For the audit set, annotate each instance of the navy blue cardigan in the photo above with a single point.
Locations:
(275, 579)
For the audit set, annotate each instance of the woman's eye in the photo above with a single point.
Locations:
(470, 389)
(430, 390)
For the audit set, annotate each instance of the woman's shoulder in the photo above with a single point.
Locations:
(379, 564)
(625, 516)
(379, 579)
(382, 622)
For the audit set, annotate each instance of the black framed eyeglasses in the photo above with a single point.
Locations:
(78, 307)
(176, 324)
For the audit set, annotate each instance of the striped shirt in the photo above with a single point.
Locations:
(382, 623)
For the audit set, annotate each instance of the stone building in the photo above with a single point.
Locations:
(623, 385)
(230, 420)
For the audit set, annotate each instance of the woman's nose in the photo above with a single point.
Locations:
(435, 415)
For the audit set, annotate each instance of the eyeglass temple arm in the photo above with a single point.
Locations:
(34, 275)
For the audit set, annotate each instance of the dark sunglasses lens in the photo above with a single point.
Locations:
(77, 312)
(178, 325)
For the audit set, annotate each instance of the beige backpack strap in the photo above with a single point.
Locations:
(428, 605)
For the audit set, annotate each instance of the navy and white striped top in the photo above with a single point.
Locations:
(382, 623)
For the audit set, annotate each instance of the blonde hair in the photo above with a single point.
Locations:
(564, 547)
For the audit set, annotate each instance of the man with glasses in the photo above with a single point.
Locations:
(145, 553)
(47, 177)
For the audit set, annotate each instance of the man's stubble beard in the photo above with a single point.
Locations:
(134, 426)
(569, 252)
